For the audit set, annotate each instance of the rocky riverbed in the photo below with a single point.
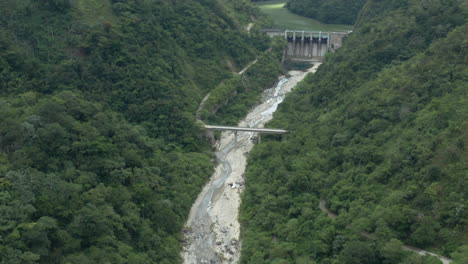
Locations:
(212, 231)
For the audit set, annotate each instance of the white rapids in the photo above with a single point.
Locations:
(212, 230)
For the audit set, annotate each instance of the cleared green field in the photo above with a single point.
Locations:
(285, 19)
(95, 11)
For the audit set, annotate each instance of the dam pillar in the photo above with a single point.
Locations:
(311, 44)
(294, 43)
(319, 46)
(302, 49)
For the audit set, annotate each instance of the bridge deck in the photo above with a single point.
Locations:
(248, 129)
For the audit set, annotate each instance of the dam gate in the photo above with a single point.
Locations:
(308, 46)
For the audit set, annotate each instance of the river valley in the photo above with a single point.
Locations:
(212, 231)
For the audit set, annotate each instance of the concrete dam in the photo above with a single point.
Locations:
(308, 46)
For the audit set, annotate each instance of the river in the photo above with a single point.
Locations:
(212, 230)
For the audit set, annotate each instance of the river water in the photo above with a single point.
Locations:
(212, 230)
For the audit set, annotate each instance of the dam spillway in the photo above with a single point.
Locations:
(308, 45)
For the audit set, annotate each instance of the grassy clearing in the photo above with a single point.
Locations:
(285, 19)
(95, 11)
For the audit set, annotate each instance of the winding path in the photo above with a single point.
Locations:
(247, 67)
(202, 103)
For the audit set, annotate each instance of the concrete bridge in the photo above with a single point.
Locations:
(247, 129)
(308, 46)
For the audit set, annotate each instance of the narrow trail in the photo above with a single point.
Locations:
(212, 233)
(200, 106)
(251, 64)
(249, 26)
(202, 103)
(422, 252)
(247, 67)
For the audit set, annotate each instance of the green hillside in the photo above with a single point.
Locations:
(283, 18)
(328, 11)
(100, 154)
(379, 133)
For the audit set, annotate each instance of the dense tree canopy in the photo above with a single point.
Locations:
(379, 133)
(100, 155)
(81, 185)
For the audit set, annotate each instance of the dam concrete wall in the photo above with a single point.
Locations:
(308, 45)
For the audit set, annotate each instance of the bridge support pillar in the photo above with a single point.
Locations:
(235, 136)
(259, 138)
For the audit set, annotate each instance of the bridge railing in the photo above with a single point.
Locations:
(248, 129)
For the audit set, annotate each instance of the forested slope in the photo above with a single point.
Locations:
(328, 11)
(232, 98)
(380, 134)
(100, 156)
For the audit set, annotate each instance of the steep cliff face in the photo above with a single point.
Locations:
(379, 134)
(100, 156)
(328, 11)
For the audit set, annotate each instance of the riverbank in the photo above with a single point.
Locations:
(212, 231)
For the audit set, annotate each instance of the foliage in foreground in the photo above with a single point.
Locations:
(82, 185)
(100, 156)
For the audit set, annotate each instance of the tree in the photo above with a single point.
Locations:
(393, 252)
(460, 256)
(357, 252)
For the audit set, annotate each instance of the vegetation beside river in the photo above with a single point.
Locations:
(100, 154)
(380, 133)
(233, 98)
